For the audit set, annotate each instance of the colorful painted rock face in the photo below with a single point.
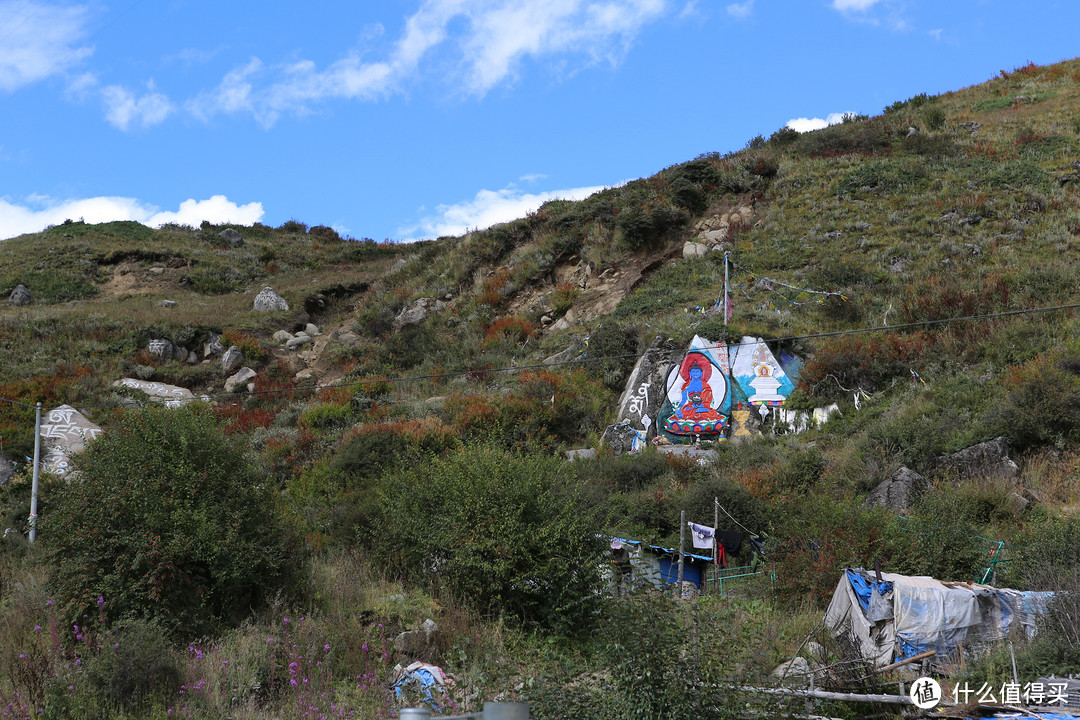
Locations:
(697, 393)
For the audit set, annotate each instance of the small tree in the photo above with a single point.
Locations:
(165, 521)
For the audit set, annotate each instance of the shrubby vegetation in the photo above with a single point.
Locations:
(166, 522)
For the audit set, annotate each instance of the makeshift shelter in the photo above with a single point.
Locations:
(659, 566)
(899, 616)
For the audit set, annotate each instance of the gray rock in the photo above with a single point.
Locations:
(179, 353)
(581, 454)
(414, 642)
(619, 438)
(232, 359)
(234, 238)
(985, 460)
(268, 301)
(715, 236)
(912, 131)
(20, 296)
(192, 358)
(862, 226)
(213, 347)
(160, 349)
(417, 312)
(694, 249)
(643, 393)
(156, 270)
(240, 378)
(7, 470)
(349, 339)
(796, 670)
(546, 320)
(312, 330)
(169, 303)
(297, 341)
(283, 336)
(899, 491)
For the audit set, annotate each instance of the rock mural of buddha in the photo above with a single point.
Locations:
(696, 405)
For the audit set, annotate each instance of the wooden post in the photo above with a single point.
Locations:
(682, 551)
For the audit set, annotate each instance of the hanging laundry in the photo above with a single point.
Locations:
(731, 541)
(703, 536)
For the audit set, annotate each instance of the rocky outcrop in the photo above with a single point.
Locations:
(417, 312)
(988, 459)
(899, 491)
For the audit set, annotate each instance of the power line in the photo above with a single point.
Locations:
(587, 359)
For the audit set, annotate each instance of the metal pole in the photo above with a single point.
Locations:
(726, 253)
(414, 714)
(682, 550)
(715, 541)
(37, 465)
(506, 711)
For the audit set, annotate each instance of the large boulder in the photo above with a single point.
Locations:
(20, 296)
(268, 301)
(64, 432)
(213, 347)
(988, 459)
(232, 359)
(170, 395)
(644, 394)
(241, 378)
(416, 642)
(160, 349)
(234, 238)
(899, 491)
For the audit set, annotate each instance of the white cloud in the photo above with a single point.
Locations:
(41, 39)
(36, 213)
(486, 40)
(488, 208)
(741, 10)
(853, 5)
(807, 124)
(124, 109)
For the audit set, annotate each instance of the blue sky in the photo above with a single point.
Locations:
(418, 118)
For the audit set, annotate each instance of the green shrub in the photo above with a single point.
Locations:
(167, 522)
(645, 227)
(934, 117)
(505, 533)
(137, 662)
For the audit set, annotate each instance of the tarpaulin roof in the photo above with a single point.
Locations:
(901, 615)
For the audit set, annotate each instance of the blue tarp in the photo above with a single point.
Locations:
(862, 587)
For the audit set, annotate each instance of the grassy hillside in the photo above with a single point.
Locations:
(427, 439)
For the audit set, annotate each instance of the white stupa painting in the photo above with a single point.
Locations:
(759, 374)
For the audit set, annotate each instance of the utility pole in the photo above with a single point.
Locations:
(682, 551)
(726, 253)
(37, 465)
(715, 541)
